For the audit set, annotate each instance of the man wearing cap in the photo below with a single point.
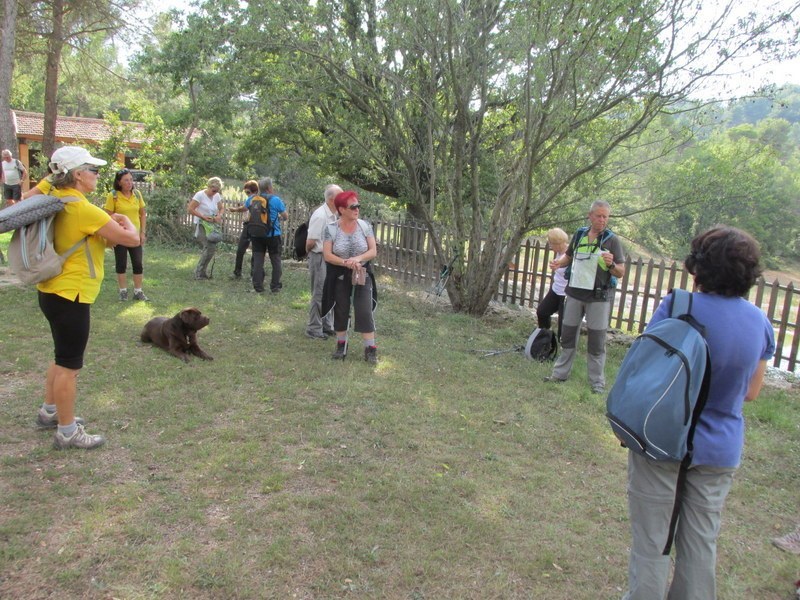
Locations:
(12, 175)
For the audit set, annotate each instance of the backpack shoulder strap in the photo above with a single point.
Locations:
(681, 303)
(607, 235)
(576, 237)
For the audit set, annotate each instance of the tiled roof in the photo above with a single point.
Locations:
(73, 129)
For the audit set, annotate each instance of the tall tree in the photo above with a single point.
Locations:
(486, 118)
(7, 41)
(73, 23)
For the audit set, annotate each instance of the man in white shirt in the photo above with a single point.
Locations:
(12, 175)
(319, 326)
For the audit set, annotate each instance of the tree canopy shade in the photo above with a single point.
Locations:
(486, 119)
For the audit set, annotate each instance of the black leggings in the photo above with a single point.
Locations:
(549, 305)
(121, 256)
(69, 325)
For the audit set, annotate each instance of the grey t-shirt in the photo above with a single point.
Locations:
(349, 245)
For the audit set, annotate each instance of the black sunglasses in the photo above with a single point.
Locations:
(94, 170)
(354, 207)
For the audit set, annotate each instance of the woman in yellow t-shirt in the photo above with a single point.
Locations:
(129, 202)
(66, 299)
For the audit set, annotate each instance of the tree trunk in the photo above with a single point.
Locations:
(8, 137)
(54, 47)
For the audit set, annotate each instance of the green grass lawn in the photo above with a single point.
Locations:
(275, 472)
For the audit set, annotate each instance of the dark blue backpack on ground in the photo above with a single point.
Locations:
(660, 390)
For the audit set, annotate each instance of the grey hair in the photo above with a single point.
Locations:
(265, 184)
(329, 191)
(599, 204)
(63, 180)
(6, 152)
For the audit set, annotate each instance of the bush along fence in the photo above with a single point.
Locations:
(405, 252)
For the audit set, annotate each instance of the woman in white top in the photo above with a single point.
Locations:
(553, 302)
(206, 208)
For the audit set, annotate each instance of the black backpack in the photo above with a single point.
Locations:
(300, 239)
(542, 345)
(259, 224)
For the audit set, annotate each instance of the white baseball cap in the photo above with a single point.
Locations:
(67, 158)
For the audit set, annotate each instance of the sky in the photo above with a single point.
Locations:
(743, 78)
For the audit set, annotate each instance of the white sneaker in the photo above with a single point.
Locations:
(79, 439)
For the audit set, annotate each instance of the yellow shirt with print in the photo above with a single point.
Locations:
(126, 206)
(79, 219)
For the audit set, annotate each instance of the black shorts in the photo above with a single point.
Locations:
(121, 259)
(69, 325)
(12, 192)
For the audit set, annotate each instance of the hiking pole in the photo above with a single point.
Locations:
(497, 352)
(350, 316)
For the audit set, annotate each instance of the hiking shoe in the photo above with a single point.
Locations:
(789, 543)
(140, 296)
(123, 295)
(46, 420)
(316, 336)
(598, 388)
(551, 379)
(341, 351)
(236, 276)
(371, 355)
(79, 439)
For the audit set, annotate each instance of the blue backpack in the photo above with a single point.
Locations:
(660, 390)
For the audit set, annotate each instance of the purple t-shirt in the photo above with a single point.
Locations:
(739, 336)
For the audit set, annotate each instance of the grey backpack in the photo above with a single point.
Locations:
(660, 391)
(31, 253)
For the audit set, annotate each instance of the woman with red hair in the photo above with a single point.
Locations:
(348, 246)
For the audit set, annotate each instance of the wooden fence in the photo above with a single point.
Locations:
(406, 253)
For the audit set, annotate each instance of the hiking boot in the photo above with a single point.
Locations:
(789, 543)
(598, 388)
(46, 420)
(79, 439)
(316, 336)
(123, 295)
(140, 296)
(371, 355)
(201, 277)
(341, 351)
(551, 379)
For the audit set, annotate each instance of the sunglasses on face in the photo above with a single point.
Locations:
(354, 207)
(94, 170)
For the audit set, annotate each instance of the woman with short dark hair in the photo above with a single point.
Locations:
(725, 264)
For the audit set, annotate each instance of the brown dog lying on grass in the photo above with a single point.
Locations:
(177, 335)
